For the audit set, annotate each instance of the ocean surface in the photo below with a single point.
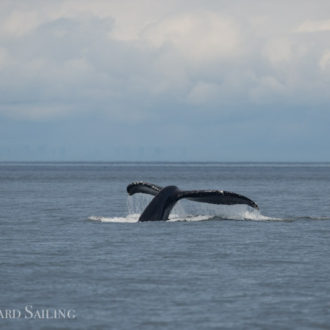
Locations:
(73, 256)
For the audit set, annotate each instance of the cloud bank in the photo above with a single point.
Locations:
(175, 65)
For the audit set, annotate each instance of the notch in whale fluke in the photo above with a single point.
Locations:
(165, 199)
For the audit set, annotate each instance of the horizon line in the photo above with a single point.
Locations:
(168, 161)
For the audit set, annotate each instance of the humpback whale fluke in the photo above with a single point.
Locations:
(165, 199)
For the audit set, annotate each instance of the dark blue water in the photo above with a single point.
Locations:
(67, 242)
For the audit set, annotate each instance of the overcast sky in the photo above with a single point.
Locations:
(205, 80)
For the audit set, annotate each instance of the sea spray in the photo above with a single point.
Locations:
(187, 211)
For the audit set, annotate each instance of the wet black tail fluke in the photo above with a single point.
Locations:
(165, 199)
(143, 187)
(217, 197)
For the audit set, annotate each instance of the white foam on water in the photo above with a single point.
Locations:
(176, 217)
(240, 216)
(252, 215)
(131, 218)
(190, 211)
(134, 218)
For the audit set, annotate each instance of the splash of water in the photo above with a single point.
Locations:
(131, 218)
(188, 211)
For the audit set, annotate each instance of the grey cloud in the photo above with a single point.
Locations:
(77, 62)
(160, 67)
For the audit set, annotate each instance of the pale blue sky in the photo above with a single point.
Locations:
(165, 80)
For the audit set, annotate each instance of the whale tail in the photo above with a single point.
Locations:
(217, 197)
(165, 199)
(143, 187)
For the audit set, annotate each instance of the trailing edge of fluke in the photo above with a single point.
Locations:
(165, 199)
